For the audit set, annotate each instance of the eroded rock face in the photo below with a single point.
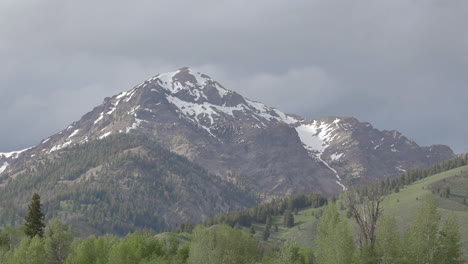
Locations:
(242, 141)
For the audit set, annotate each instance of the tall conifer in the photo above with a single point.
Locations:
(35, 219)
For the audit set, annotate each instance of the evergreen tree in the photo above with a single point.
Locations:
(35, 219)
(288, 219)
(266, 233)
(4, 241)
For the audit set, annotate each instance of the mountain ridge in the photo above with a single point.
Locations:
(180, 147)
(180, 107)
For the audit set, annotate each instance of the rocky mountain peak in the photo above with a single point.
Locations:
(193, 115)
(191, 86)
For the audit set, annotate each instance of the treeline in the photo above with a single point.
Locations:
(220, 244)
(394, 184)
(262, 212)
(427, 241)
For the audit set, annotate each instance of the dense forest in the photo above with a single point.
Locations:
(118, 185)
(429, 240)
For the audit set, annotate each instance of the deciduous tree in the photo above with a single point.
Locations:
(334, 243)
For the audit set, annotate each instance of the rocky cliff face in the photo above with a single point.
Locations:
(242, 141)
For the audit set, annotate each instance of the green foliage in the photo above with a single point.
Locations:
(426, 242)
(288, 219)
(222, 244)
(334, 242)
(266, 233)
(389, 241)
(4, 241)
(57, 241)
(453, 188)
(186, 227)
(252, 230)
(138, 248)
(449, 249)
(34, 225)
(93, 250)
(263, 212)
(288, 254)
(30, 251)
(420, 241)
(395, 184)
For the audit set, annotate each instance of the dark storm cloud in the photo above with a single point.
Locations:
(398, 64)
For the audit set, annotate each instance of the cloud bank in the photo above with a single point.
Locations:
(398, 64)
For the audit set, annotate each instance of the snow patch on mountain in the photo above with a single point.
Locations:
(269, 113)
(336, 156)
(13, 154)
(99, 118)
(60, 146)
(3, 167)
(113, 107)
(135, 125)
(399, 168)
(316, 138)
(74, 133)
(105, 135)
(169, 82)
(198, 111)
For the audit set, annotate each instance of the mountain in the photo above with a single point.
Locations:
(116, 185)
(258, 149)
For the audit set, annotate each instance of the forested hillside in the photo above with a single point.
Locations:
(429, 240)
(445, 184)
(118, 185)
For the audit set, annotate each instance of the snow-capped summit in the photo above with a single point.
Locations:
(244, 141)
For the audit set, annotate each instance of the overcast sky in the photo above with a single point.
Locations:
(398, 64)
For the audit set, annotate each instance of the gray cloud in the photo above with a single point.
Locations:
(398, 64)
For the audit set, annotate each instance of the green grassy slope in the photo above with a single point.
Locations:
(402, 205)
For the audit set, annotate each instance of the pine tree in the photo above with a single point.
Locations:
(266, 233)
(252, 230)
(35, 219)
(288, 219)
